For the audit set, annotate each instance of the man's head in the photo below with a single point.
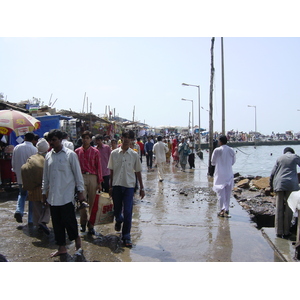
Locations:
(64, 135)
(128, 134)
(222, 140)
(288, 149)
(99, 139)
(86, 138)
(159, 138)
(126, 137)
(54, 139)
(29, 136)
(42, 146)
(113, 143)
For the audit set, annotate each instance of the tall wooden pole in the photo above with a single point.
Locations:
(223, 89)
(212, 72)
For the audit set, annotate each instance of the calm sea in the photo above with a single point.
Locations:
(257, 161)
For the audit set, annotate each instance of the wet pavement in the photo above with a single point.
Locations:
(176, 222)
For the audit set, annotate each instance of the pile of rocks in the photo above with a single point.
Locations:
(254, 195)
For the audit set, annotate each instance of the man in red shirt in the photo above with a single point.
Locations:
(90, 163)
(141, 144)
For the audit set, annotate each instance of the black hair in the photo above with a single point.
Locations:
(129, 134)
(99, 137)
(223, 139)
(64, 135)
(86, 133)
(29, 136)
(288, 149)
(55, 132)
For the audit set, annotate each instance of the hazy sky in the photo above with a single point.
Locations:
(147, 73)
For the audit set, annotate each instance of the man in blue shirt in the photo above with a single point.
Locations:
(149, 153)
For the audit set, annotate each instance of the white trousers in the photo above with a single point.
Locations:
(160, 170)
(224, 197)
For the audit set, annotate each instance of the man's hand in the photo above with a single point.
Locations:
(142, 193)
(44, 200)
(81, 197)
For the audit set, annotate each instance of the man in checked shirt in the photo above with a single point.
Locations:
(90, 163)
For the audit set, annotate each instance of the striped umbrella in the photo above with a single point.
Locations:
(19, 122)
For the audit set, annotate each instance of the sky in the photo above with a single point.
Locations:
(140, 76)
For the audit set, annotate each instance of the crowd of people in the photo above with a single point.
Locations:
(52, 172)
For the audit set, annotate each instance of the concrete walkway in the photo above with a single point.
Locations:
(176, 222)
(174, 227)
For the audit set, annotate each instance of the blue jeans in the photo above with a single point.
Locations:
(21, 204)
(123, 204)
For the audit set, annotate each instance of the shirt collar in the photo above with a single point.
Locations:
(64, 149)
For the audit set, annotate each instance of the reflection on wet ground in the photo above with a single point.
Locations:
(175, 222)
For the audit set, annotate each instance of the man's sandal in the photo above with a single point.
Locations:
(128, 243)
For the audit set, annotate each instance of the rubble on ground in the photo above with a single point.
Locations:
(255, 196)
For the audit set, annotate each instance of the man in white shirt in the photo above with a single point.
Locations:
(160, 149)
(67, 143)
(223, 158)
(61, 174)
(124, 163)
(20, 155)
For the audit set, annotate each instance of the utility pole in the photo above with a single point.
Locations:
(212, 72)
(83, 102)
(133, 114)
(223, 89)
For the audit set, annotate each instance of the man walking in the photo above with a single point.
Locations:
(105, 151)
(20, 155)
(124, 164)
(149, 153)
(61, 175)
(90, 164)
(184, 151)
(142, 146)
(160, 149)
(223, 159)
(66, 142)
(32, 177)
(283, 181)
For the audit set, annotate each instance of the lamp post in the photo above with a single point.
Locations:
(183, 99)
(197, 86)
(255, 117)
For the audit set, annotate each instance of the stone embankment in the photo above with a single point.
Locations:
(254, 195)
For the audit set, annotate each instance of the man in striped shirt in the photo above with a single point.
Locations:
(90, 163)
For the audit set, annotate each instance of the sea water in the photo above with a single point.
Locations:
(258, 160)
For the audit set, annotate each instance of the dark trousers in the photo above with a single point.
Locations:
(64, 219)
(149, 159)
(105, 184)
(123, 204)
(192, 160)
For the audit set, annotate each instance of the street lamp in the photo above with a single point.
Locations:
(192, 114)
(255, 117)
(197, 86)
